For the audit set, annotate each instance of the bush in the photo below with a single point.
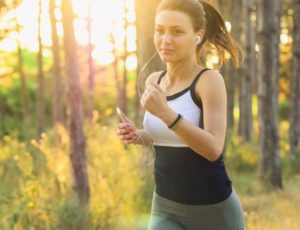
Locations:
(36, 189)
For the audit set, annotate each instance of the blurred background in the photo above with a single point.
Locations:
(65, 66)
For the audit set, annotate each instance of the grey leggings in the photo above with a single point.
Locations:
(170, 215)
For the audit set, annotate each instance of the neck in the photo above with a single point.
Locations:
(179, 70)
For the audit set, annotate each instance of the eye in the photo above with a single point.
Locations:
(177, 32)
(159, 30)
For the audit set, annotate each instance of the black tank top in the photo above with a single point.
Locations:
(181, 174)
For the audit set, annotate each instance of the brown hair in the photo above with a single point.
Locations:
(206, 16)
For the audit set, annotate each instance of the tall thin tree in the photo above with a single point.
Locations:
(295, 85)
(91, 69)
(77, 138)
(58, 99)
(23, 80)
(268, 74)
(41, 81)
(228, 71)
(123, 96)
(247, 70)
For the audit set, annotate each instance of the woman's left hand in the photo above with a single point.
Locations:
(154, 100)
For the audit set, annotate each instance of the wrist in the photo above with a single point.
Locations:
(168, 116)
(175, 122)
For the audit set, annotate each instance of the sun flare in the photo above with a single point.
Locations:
(106, 20)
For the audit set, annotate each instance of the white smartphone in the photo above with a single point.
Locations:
(120, 113)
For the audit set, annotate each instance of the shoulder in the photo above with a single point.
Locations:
(211, 83)
(153, 77)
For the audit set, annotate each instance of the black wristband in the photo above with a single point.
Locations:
(176, 121)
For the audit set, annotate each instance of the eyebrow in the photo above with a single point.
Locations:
(172, 27)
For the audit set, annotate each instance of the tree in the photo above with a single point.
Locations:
(228, 71)
(268, 73)
(295, 83)
(77, 152)
(58, 104)
(247, 70)
(122, 83)
(91, 70)
(41, 84)
(22, 76)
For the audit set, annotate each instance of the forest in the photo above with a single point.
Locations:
(65, 65)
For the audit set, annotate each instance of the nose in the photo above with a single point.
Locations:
(166, 38)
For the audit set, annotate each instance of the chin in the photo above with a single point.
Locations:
(166, 58)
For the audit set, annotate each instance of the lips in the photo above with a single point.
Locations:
(166, 51)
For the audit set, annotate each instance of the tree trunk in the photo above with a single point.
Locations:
(295, 85)
(268, 74)
(123, 93)
(248, 72)
(91, 74)
(145, 13)
(41, 84)
(228, 70)
(23, 91)
(77, 153)
(115, 68)
(58, 105)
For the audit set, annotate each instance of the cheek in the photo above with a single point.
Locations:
(156, 39)
(187, 43)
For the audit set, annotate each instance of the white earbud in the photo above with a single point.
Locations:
(198, 40)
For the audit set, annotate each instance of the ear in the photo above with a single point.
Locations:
(201, 34)
(198, 40)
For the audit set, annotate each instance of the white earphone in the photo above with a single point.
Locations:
(198, 40)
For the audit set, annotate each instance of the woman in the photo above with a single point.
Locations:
(185, 120)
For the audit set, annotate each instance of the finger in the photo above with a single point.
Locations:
(123, 125)
(153, 92)
(122, 132)
(128, 137)
(126, 127)
(157, 87)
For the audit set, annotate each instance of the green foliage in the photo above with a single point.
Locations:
(11, 108)
(240, 155)
(36, 189)
(284, 110)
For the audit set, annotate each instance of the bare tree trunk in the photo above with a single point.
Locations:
(229, 74)
(248, 71)
(58, 105)
(116, 70)
(295, 85)
(91, 84)
(268, 74)
(228, 70)
(77, 154)
(41, 84)
(23, 91)
(145, 13)
(123, 96)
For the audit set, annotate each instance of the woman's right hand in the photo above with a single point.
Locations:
(126, 130)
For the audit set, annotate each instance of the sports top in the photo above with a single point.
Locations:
(180, 173)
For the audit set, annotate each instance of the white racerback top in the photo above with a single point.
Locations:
(184, 102)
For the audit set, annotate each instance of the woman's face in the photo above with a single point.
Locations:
(174, 35)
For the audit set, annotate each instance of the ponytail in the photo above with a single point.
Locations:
(217, 37)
